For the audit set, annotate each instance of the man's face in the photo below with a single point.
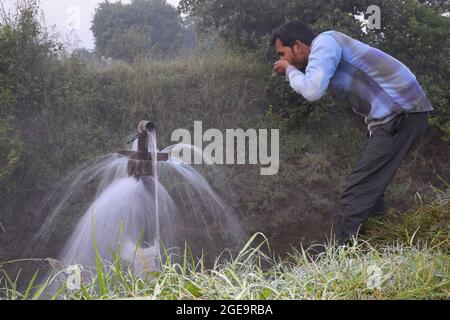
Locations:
(296, 56)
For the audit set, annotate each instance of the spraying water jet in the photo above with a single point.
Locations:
(145, 198)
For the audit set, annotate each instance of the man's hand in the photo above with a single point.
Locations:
(280, 67)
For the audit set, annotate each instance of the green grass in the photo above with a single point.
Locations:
(403, 257)
(420, 271)
(427, 221)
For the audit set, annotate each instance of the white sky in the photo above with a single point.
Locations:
(73, 17)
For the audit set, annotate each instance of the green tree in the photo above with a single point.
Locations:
(138, 29)
(246, 23)
(24, 44)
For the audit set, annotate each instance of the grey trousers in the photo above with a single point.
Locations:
(382, 155)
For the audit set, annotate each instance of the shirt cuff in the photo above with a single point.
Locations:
(289, 70)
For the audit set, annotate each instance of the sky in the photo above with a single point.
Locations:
(71, 19)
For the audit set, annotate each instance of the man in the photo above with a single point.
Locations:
(375, 85)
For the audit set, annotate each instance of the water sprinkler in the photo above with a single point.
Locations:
(140, 162)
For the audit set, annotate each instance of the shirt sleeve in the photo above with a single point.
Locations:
(324, 59)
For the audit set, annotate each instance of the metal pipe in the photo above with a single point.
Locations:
(140, 161)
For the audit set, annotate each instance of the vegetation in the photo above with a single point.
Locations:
(138, 29)
(413, 267)
(58, 110)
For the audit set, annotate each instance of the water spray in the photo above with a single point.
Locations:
(133, 213)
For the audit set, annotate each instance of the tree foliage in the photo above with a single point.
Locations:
(24, 44)
(127, 31)
(243, 23)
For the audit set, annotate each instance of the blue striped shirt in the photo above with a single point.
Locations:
(373, 83)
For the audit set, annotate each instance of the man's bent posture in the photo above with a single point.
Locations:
(375, 85)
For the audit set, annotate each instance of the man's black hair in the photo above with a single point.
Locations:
(292, 31)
